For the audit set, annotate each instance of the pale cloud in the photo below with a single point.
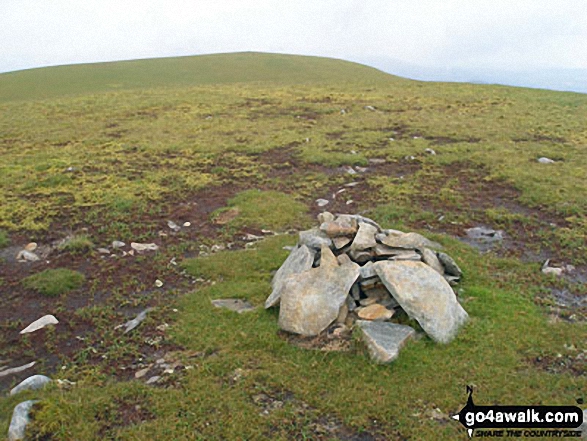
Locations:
(513, 34)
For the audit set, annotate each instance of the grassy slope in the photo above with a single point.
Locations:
(138, 152)
(58, 81)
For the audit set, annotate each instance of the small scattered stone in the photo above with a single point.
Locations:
(132, 324)
(187, 224)
(351, 184)
(31, 383)
(40, 323)
(350, 170)
(16, 370)
(158, 283)
(236, 305)
(118, 244)
(20, 420)
(430, 151)
(361, 169)
(27, 256)
(32, 246)
(370, 108)
(349, 202)
(484, 234)
(377, 161)
(141, 373)
(173, 225)
(103, 250)
(322, 202)
(545, 160)
(144, 246)
(154, 379)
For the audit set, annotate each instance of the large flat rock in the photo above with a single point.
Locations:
(311, 300)
(384, 340)
(409, 241)
(425, 296)
(299, 260)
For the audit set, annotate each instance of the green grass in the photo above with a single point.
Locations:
(54, 282)
(120, 148)
(78, 244)
(266, 210)
(4, 240)
(490, 352)
(243, 67)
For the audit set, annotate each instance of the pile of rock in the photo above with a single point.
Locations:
(352, 272)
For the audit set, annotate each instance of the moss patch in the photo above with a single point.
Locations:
(54, 282)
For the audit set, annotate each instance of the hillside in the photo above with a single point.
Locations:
(213, 164)
(53, 82)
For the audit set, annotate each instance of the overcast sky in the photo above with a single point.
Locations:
(492, 34)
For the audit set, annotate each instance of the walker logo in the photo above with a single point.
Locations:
(514, 421)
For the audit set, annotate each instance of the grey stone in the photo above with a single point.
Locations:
(132, 324)
(327, 258)
(314, 238)
(16, 370)
(20, 419)
(452, 280)
(545, 160)
(484, 234)
(343, 312)
(325, 217)
(310, 301)
(387, 251)
(360, 257)
(425, 296)
(236, 305)
(368, 271)
(27, 256)
(355, 291)
(406, 256)
(365, 237)
(341, 242)
(118, 244)
(375, 312)
(430, 258)
(409, 240)
(351, 304)
(322, 202)
(341, 226)
(450, 266)
(140, 247)
(31, 383)
(363, 219)
(384, 340)
(46, 320)
(299, 260)
(343, 259)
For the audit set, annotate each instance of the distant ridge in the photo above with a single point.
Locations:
(51, 82)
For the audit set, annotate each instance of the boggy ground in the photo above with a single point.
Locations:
(119, 166)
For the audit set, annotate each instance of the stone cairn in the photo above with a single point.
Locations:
(352, 272)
